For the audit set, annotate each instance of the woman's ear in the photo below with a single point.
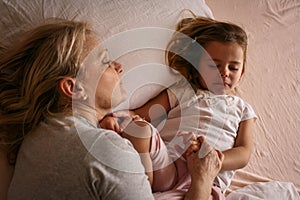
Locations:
(67, 87)
(72, 89)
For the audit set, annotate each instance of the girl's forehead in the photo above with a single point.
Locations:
(222, 50)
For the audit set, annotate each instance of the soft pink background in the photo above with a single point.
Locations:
(271, 84)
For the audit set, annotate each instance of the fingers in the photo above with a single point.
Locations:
(220, 155)
(205, 154)
(199, 144)
(194, 147)
(201, 139)
(124, 122)
(205, 148)
(215, 157)
(110, 123)
(207, 167)
(121, 114)
(124, 118)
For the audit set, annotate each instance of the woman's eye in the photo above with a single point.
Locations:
(106, 61)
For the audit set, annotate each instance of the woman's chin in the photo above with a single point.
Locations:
(119, 98)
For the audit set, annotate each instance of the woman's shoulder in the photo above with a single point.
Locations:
(109, 148)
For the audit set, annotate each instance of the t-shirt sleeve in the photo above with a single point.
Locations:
(180, 91)
(248, 112)
(172, 98)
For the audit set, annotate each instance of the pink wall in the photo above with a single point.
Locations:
(272, 81)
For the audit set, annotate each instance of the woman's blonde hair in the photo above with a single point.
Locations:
(30, 73)
(183, 53)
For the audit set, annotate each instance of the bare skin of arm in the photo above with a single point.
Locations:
(139, 134)
(148, 111)
(239, 155)
(235, 158)
(152, 111)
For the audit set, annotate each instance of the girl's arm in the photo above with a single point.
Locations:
(153, 111)
(139, 133)
(239, 155)
(155, 108)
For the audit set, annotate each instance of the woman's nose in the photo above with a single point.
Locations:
(118, 67)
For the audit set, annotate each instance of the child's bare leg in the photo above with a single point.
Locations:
(161, 176)
(139, 134)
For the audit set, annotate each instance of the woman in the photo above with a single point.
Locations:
(56, 85)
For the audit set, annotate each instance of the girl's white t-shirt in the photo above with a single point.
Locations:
(216, 117)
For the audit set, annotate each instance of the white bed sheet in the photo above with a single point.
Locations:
(271, 85)
(112, 16)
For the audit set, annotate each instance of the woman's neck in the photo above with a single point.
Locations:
(94, 115)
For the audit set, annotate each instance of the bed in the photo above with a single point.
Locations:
(136, 32)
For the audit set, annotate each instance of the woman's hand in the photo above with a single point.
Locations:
(208, 165)
(203, 171)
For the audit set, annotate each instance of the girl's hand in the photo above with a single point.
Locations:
(198, 144)
(124, 118)
(110, 122)
(118, 121)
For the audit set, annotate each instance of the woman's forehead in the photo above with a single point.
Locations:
(96, 55)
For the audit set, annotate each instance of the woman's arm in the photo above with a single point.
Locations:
(239, 155)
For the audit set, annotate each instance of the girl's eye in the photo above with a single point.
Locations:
(234, 68)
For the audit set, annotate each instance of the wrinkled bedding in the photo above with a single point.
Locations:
(271, 83)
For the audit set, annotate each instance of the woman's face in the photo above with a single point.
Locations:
(102, 80)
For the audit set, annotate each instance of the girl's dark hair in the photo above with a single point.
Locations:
(183, 53)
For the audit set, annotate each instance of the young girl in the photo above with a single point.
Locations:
(204, 101)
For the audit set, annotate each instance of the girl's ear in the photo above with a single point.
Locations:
(68, 87)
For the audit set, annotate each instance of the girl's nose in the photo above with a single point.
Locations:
(223, 71)
(118, 67)
(224, 75)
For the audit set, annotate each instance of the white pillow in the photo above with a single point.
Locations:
(111, 18)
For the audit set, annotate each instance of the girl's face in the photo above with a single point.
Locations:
(222, 67)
